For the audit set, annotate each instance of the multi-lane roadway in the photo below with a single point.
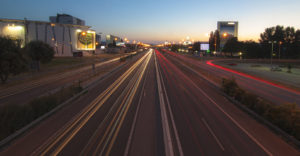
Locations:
(275, 93)
(153, 105)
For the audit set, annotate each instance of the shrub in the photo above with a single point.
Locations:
(289, 68)
(285, 116)
(39, 51)
(14, 117)
(229, 86)
(122, 59)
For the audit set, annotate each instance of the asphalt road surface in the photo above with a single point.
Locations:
(273, 92)
(24, 93)
(153, 105)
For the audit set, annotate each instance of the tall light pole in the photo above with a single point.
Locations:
(280, 43)
(272, 42)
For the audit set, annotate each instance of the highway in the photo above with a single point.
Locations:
(153, 105)
(273, 92)
(24, 93)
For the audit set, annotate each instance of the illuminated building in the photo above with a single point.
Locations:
(227, 29)
(111, 38)
(66, 39)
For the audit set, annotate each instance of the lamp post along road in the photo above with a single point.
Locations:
(279, 49)
(272, 42)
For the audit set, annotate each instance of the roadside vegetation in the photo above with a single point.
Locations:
(12, 61)
(15, 117)
(15, 60)
(286, 44)
(284, 116)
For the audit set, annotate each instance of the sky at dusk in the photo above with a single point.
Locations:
(154, 21)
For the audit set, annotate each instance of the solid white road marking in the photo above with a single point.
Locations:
(213, 134)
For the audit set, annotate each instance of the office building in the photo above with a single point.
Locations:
(227, 29)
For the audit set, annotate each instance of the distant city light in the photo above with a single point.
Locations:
(91, 31)
(14, 28)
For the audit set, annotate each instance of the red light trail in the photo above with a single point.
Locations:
(252, 77)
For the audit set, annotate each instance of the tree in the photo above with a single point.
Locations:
(217, 40)
(175, 47)
(211, 41)
(297, 44)
(39, 51)
(11, 58)
(196, 46)
(232, 46)
(285, 41)
(251, 49)
(214, 41)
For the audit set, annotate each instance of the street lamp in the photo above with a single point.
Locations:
(240, 53)
(272, 42)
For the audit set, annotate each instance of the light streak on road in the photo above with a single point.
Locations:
(83, 117)
(252, 77)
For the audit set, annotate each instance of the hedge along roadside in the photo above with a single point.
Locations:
(285, 116)
(14, 117)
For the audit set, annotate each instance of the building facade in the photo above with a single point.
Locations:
(227, 29)
(111, 38)
(66, 19)
(66, 39)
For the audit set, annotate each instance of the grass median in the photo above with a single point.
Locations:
(15, 117)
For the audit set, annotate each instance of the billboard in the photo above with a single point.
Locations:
(15, 32)
(204, 46)
(86, 40)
